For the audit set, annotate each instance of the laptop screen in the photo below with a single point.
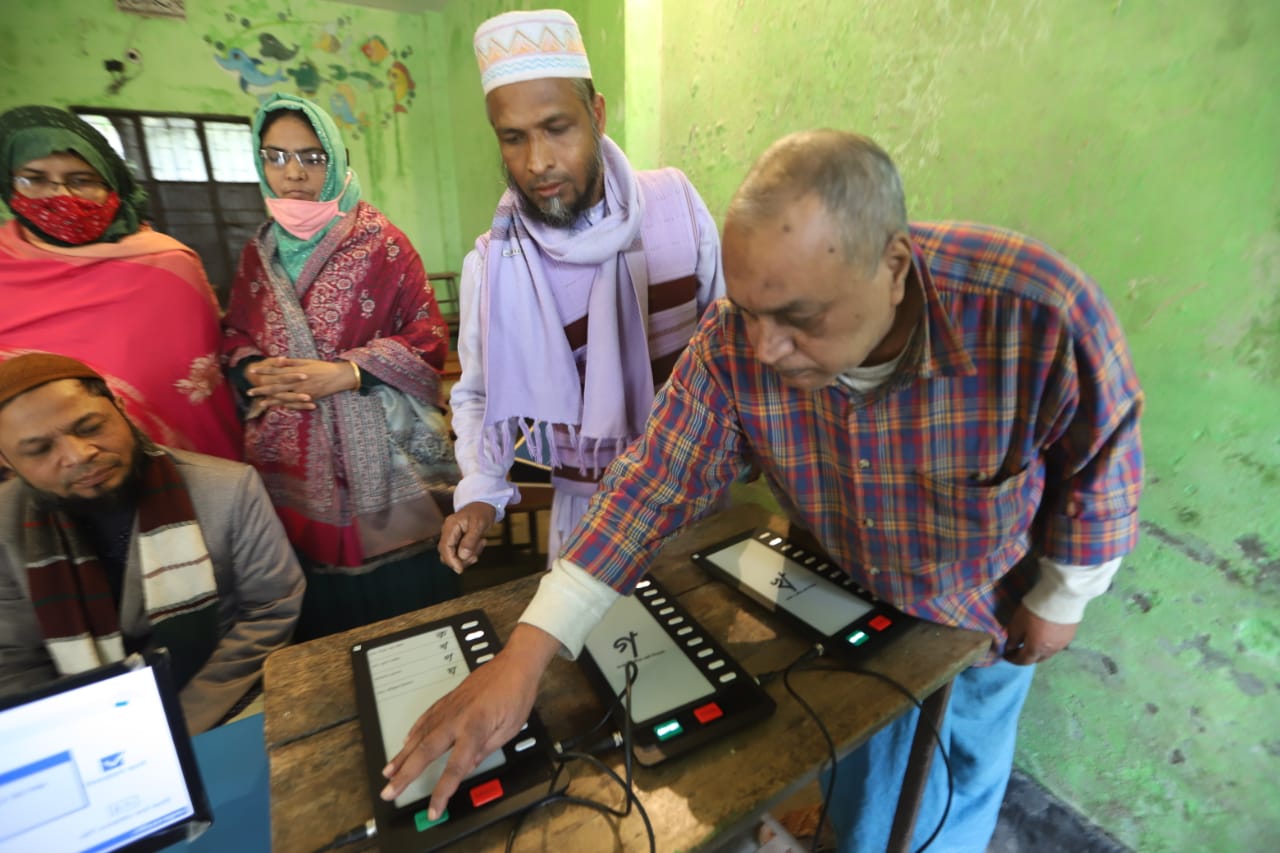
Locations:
(95, 765)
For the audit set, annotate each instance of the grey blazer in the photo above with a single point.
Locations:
(259, 582)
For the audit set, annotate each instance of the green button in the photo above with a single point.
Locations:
(424, 823)
(667, 730)
(857, 638)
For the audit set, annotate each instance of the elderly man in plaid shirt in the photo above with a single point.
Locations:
(950, 408)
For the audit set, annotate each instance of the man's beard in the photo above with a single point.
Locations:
(121, 497)
(556, 213)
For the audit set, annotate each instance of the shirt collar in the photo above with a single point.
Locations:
(590, 217)
(944, 352)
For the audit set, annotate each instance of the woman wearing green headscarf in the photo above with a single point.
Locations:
(334, 338)
(82, 275)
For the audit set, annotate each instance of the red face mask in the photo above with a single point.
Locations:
(66, 217)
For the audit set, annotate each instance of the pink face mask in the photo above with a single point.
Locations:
(304, 219)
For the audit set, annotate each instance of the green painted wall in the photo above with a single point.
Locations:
(52, 52)
(433, 167)
(1139, 139)
(477, 164)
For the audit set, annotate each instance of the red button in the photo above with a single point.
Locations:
(708, 712)
(880, 623)
(486, 793)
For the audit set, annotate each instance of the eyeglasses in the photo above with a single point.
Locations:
(38, 186)
(278, 158)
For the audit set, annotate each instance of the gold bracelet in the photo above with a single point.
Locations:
(356, 368)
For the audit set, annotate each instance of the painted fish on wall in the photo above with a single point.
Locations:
(272, 48)
(247, 68)
(342, 105)
(328, 61)
(329, 43)
(401, 86)
(306, 77)
(376, 49)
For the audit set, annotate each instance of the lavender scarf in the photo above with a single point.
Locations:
(529, 368)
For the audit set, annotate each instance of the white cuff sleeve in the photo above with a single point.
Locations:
(568, 605)
(497, 493)
(1063, 590)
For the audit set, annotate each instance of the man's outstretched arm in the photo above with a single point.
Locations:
(480, 715)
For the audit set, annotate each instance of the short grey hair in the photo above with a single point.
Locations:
(586, 92)
(850, 174)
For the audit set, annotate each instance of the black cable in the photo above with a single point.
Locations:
(612, 740)
(937, 738)
(567, 755)
(575, 742)
(807, 659)
(368, 829)
(831, 746)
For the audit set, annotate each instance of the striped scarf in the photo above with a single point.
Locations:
(530, 373)
(72, 597)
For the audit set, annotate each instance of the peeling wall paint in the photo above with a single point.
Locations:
(1139, 139)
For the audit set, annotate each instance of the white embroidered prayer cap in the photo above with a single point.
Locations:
(518, 46)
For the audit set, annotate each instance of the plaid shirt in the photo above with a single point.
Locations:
(1010, 424)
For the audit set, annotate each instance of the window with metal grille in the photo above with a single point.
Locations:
(199, 174)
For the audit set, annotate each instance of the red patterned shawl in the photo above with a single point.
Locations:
(362, 296)
(138, 311)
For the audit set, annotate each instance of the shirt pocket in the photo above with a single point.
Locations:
(968, 521)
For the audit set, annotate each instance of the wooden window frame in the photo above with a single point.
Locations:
(159, 217)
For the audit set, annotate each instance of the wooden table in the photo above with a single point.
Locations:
(318, 783)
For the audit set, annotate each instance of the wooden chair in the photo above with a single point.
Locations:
(534, 479)
(447, 299)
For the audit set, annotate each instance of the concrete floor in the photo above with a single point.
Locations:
(1032, 819)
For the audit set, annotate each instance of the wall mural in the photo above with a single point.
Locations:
(325, 61)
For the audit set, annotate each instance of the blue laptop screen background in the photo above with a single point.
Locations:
(93, 768)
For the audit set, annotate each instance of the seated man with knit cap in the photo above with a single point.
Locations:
(578, 300)
(110, 544)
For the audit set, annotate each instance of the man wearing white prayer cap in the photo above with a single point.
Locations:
(578, 300)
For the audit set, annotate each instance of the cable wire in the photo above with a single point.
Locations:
(368, 829)
(566, 755)
(806, 663)
(831, 747)
(933, 730)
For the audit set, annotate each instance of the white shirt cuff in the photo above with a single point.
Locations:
(1063, 590)
(569, 603)
(493, 491)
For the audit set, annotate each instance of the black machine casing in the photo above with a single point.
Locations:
(734, 699)
(854, 623)
(157, 661)
(523, 778)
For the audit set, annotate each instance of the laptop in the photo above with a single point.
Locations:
(99, 761)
